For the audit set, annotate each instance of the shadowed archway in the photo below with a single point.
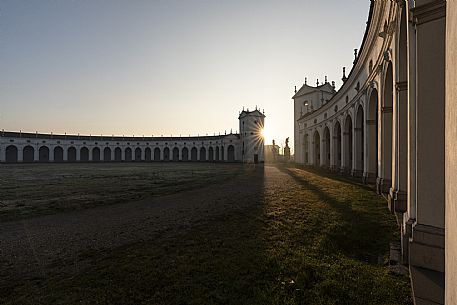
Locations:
(11, 154)
(58, 154)
(96, 154)
(71, 154)
(107, 154)
(185, 154)
(231, 153)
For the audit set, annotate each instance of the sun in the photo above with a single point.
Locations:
(264, 132)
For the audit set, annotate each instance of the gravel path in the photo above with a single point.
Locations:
(39, 246)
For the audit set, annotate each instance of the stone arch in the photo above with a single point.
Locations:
(11, 154)
(231, 153)
(202, 153)
(117, 154)
(210, 154)
(128, 154)
(348, 137)
(326, 146)
(84, 154)
(185, 154)
(317, 148)
(28, 154)
(359, 141)
(107, 154)
(176, 154)
(138, 154)
(156, 154)
(71, 154)
(216, 157)
(147, 154)
(385, 181)
(166, 154)
(372, 135)
(58, 154)
(337, 145)
(96, 154)
(193, 154)
(43, 154)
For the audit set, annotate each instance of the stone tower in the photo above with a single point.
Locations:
(251, 138)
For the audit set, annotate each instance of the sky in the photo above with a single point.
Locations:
(167, 67)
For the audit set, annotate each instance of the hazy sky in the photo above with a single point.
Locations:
(167, 67)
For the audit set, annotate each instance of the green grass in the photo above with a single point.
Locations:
(38, 189)
(315, 241)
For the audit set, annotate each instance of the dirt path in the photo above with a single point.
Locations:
(39, 246)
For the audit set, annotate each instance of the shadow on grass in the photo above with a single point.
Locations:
(360, 231)
(270, 247)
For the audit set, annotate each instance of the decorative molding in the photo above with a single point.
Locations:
(386, 109)
(401, 86)
(429, 12)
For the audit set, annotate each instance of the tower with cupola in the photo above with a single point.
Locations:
(251, 137)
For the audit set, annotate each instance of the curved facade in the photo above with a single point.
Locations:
(35, 147)
(386, 125)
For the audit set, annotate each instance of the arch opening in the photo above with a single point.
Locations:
(138, 154)
(107, 154)
(386, 133)
(58, 154)
(231, 153)
(185, 154)
(203, 154)
(118, 154)
(96, 154)
(156, 154)
(147, 154)
(193, 154)
(43, 154)
(11, 154)
(211, 154)
(71, 154)
(175, 154)
(84, 154)
(166, 154)
(28, 154)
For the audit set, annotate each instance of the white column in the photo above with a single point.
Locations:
(78, 154)
(51, 153)
(331, 148)
(311, 148)
(322, 152)
(36, 153)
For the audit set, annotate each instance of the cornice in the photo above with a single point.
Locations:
(429, 12)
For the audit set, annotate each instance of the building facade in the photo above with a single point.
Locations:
(37, 147)
(393, 124)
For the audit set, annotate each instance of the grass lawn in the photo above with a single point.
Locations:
(36, 189)
(305, 239)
